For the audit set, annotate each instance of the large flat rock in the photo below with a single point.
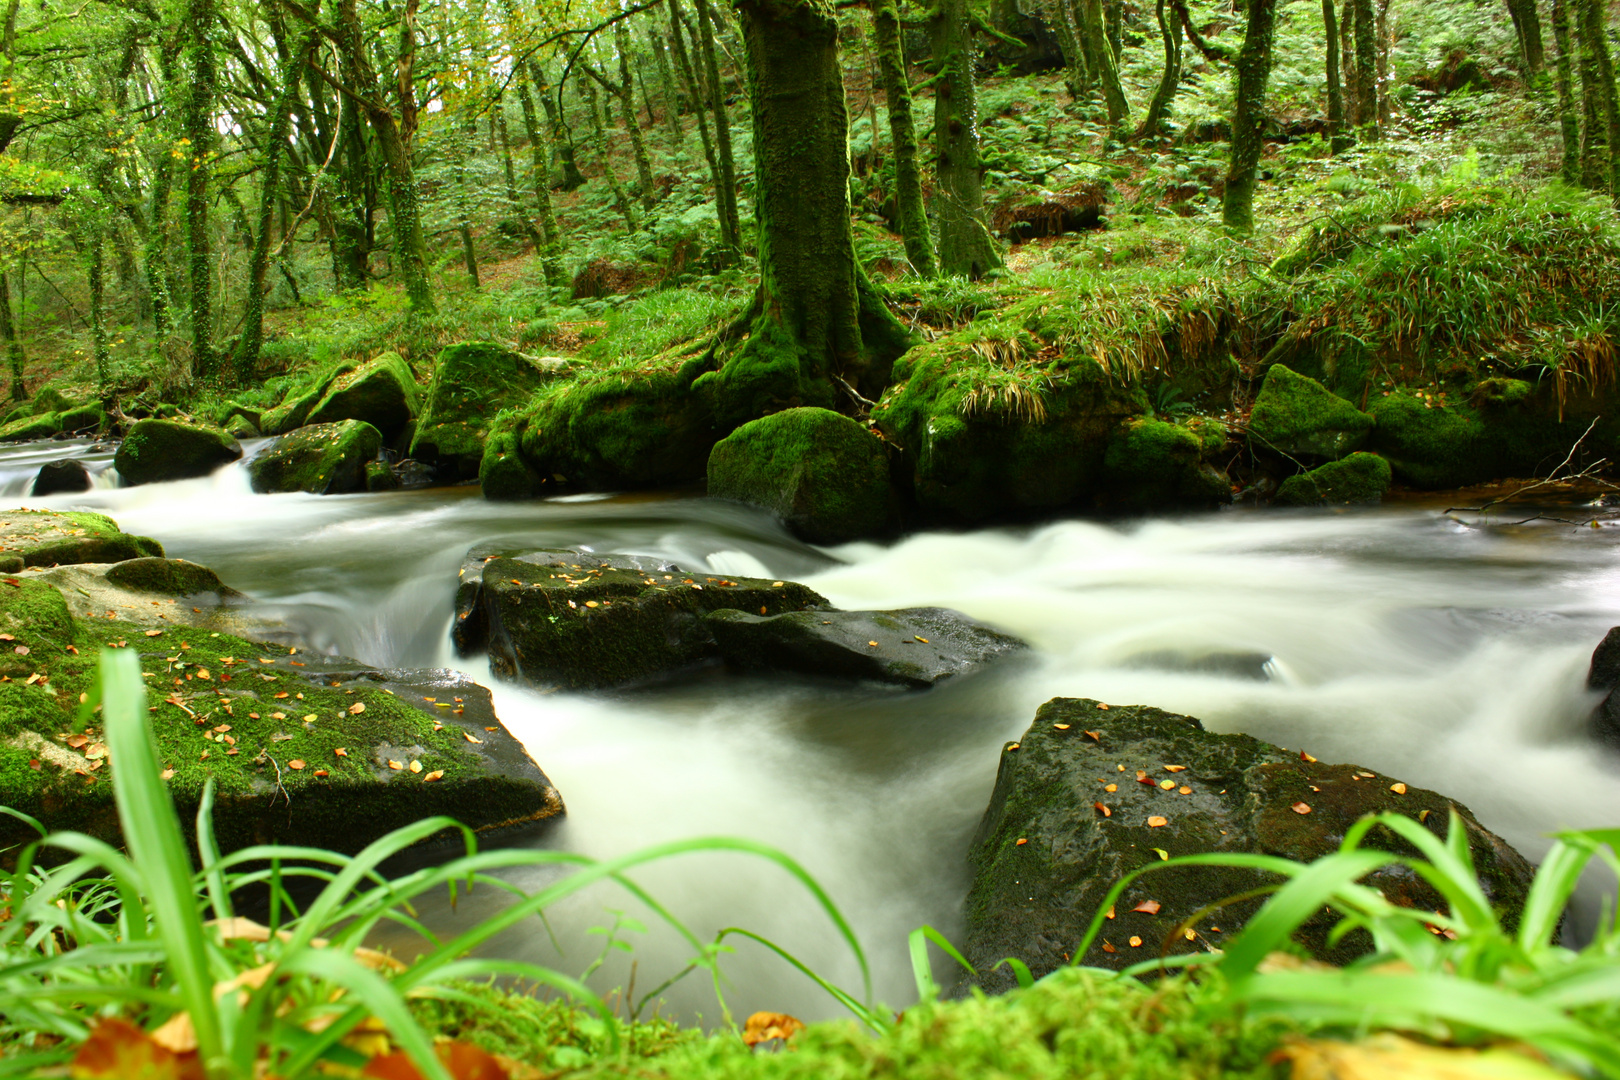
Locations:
(1092, 792)
(51, 538)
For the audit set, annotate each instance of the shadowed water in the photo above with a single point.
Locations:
(1448, 655)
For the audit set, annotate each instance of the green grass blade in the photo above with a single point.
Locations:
(862, 1012)
(1020, 970)
(1550, 891)
(375, 995)
(208, 853)
(1312, 887)
(922, 969)
(152, 831)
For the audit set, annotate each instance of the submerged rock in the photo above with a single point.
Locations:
(381, 392)
(56, 477)
(1604, 674)
(1298, 416)
(159, 450)
(580, 620)
(913, 647)
(48, 537)
(1359, 478)
(823, 474)
(1054, 839)
(472, 382)
(322, 459)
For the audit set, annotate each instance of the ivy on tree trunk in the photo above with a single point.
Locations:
(908, 194)
(965, 244)
(1248, 117)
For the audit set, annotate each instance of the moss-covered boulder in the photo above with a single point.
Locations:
(30, 427)
(84, 420)
(169, 577)
(49, 538)
(617, 430)
(159, 450)
(978, 440)
(1359, 478)
(568, 619)
(1298, 416)
(322, 459)
(304, 749)
(240, 427)
(1092, 792)
(472, 382)
(1152, 465)
(381, 392)
(915, 647)
(293, 411)
(823, 474)
(57, 477)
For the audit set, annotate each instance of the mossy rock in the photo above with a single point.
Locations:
(51, 400)
(581, 621)
(240, 427)
(1298, 416)
(1045, 855)
(977, 443)
(37, 618)
(294, 410)
(84, 418)
(65, 475)
(823, 474)
(155, 451)
(503, 474)
(51, 538)
(380, 477)
(1359, 478)
(1152, 465)
(167, 577)
(30, 427)
(275, 761)
(615, 431)
(381, 392)
(472, 382)
(322, 459)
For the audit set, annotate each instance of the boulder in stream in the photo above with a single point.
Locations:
(1298, 416)
(823, 474)
(381, 392)
(159, 450)
(1359, 478)
(322, 459)
(471, 382)
(1092, 792)
(57, 477)
(49, 538)
(912, 647)
(1604, 675)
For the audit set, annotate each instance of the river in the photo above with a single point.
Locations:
(1429, 647)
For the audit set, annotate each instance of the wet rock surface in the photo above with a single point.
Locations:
(56, 477)
(1092, 792)
(160, 450)
(1604, 675)
(912, 647)
(322, 459)
(50, 538)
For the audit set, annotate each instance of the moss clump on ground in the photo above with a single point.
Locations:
(168, 577)
(1152, 465)
(381, 392)
(472, 382)
(823, 474)
(322, 459)
(1298, 416)
(50, 538)
(1359, 478)
(294, 409)
(159, 450)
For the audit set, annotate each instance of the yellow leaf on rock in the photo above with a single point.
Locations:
(434, 775)
(1157, 822)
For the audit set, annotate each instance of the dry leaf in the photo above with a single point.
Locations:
(1147, 907)
(1136, 942)
(763, 1026)
(1399, 789)
(1306, 758)
(1020, 842)
(416, 766)
(321, 773)
(1390, 1057)
(1184, 791)
(1110, 788)
(1101, 809)
(1060, 727)
(1156, 822)
(471, 737)
(341, 752)
(1107, 948)
(1094, 736)
(1175, 768)
(1167, 785)
(396, 766)
(153, 633)
(295, 763)
(463, 1061)
(434, 775)
(357, 708)
(118, 1050)
(1300, 808)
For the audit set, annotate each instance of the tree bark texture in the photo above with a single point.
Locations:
(621, 201)
(965, 244)
(1347, 63)
(627, 95)
(1606, 145)
(722, 124)
(908, 193)
(14, 346)
(539, 158)
(694, 90)
(667, 87)
(1527, 26)
(198, 127)
(1366, 35)
(562, 139)
(1159, 108)
(1338, 138)
(1100, 56)
(1569, 119)
(1248, 117)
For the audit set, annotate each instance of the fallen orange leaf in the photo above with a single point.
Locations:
(295, 763)
(1136, 942)
(764, 1026)
(463, 1061)
(118, 1050)
(1175, 768)
(1300, 808)
(1156, 822)
(1399, 789)
(1103, 810)
(1147, 907)
(434, 775)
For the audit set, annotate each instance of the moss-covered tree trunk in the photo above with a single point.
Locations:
(1601, 165)
(599, 143)
(562, 137)
(551, 252)
(1569, 118)
(1527, 27)
(694, 91)
(1248, 115)
(14, 345)
(1338, 139)
(1347, 62)
(1153, 124)
(627, 95)
(1077, 78)
(965, 244)
(353, 233)
(727, 192)
(514, 201)
(1099, 55)
(198, 126)
(667, 88)
(818, 318)
(1366, 34)
(461, 145)
(155, 256)
(94, 246)
(908, 193)
(275, 146)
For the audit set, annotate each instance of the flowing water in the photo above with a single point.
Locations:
(1447, 654)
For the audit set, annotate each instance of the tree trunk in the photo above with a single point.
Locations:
(1159, 108)
(1595, 31)
(694, 89)
(1366, 34)
(1527, 26)
(667, 88)
(461, 146)
(1595, 128)
(1338, 138)
(198, 126)
(722, 125)
(1114, 27)
(275, 144)
(94, 245)
(965, 244)
(562, 138)
(1382, 85)
(1347, 62)
(908, 195)
(1248, 117)
(551, 254)
(627, 94)
(1076, 78)
(1569, 121)
(513, 202)
(818, 318)
(621, 201)
(14, 347)
(1100, 57)
(156, 255)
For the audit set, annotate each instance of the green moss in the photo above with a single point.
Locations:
(1429, 446)
(1359, 478)
(502, 473)
(381, 392)
(380, 477)
(240, 427)
(472, 382)
(51, 400)
(767, 374)
(83, 418)
(28, 428)
(824, 474)
(1152, 465)
(1298, 416)
(168, 577)
(159, 450)
(50, 538)
(294, 410)
(37, 618)
(322, 459)
(618, 429)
